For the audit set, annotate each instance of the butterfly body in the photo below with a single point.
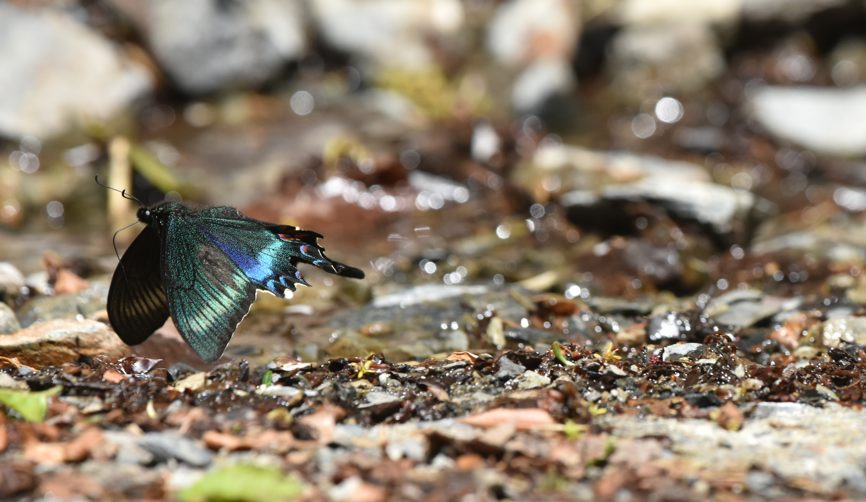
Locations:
(202, 267)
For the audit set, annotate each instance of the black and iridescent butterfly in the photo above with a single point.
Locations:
(202, 267)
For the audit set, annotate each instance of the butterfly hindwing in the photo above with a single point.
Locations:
(208, 293)
(137, 304)
(269, 254)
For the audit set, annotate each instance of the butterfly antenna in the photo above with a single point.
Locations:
(122, 193)
(116, 252)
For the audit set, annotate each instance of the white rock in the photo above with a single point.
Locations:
(57, 72)
(675, 57)
(540, 80)
(632, 12)
(524, 30)
(385, 32)
(211, 45)
(785, 10)
(825, 120)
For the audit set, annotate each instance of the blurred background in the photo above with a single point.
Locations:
(597, 149)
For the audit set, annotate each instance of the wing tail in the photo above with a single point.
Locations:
(304, 247)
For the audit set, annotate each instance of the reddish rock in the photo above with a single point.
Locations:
(52, 343)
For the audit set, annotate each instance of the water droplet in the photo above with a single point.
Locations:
(669, 110)
(302, 103)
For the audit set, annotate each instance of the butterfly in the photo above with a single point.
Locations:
(202, 267)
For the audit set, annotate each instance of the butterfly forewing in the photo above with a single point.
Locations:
(137, 304)
(208, 293)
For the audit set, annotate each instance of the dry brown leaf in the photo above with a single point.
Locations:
(268, 440)
(438, 392)
(4, 434)
(16, 479)
(468, 462)
(519, 418)
(462, 356)
(70, 486)
(728, 416)
(112, 376)
(66, 282)
(323, 422)
(222, 441)
(58, 452)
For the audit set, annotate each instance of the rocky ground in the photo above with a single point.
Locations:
(614, 250)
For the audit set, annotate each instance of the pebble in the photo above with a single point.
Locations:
(8, 321)
(531, 380)
(847, 329)
(128, 449)
(669, 326)
(388, 33)
(46, 308)
(742, 308)
(169, 445)
(11, 280)
(677, 351)
(509, 369)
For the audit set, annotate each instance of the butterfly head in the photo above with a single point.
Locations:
(146, 215)
(155, 215)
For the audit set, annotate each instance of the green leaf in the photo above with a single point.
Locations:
(32, 406)
(268, 378)
(557, 353)
(244, 482)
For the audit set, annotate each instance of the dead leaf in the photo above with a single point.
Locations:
(323, 422)
(519, 418)
(728, 416)
(70, 486)
(192, 382)
(438, 392)
(468, 462)
(80, 448)
(4, 434)
(268, 440)
(222, 441)
(66, 282)
(58, 452)
(16, 479)
(112, 376)
(462, 356)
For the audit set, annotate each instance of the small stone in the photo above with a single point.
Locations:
(677, 351)
(387, 33)
(8, 321)
(8, 382)
(11, 280)
(678, 57)
(742, 308)
(47, 308)
(85, 303)
(128, 449)
(52, 343)
(531, 380)
(508, 368)
(124, 481)
(667, 327)
(169, 445)
(848, 329)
